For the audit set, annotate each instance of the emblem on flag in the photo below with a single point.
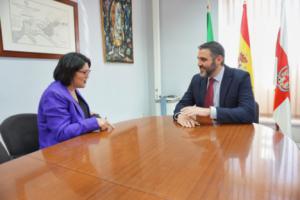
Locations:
(242, 61)
(283, 79)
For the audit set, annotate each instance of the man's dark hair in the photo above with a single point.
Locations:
(68, 65)
(215, 48)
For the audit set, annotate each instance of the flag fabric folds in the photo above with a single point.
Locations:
(245, 59)
(210, 32)
(282, 104)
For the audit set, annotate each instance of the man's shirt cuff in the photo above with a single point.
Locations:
(213, 113)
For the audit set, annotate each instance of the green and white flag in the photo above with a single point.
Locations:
(210, 32)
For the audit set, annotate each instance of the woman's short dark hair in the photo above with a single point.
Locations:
(68, 65)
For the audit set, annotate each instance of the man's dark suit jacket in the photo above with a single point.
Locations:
(236, 104)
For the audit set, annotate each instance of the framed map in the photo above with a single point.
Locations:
(38, 28)
(117, 30)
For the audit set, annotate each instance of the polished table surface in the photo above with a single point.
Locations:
(154, 158)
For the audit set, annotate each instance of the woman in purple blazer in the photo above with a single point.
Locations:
(63, 113)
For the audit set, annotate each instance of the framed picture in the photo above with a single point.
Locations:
(117, 30)
(38, 28)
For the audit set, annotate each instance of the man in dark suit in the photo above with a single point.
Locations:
(219, 93)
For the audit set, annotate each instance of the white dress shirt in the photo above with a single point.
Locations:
(217, 85)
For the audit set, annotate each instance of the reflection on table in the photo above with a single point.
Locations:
(154, 158)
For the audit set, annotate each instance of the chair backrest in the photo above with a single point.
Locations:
(3, 154)
(20, 134)
(256, 120)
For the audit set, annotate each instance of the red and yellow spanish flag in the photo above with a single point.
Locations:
(245, 59)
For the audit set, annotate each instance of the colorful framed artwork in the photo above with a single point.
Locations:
(38, 28)
(117, 30)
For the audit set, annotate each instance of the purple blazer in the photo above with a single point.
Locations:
(60, 117)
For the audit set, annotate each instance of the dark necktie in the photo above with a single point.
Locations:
(209, 97)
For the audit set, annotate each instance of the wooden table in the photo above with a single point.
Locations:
(154, 158)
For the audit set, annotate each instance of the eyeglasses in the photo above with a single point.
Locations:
(85, 72)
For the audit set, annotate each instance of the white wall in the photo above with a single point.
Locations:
(118, 91)
(183, 29)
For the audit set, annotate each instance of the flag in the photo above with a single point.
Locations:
(245, 59)
(210, 32)
(282, 105)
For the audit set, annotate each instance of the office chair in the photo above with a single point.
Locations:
(20, 134)
(3, 154)
(256, 120)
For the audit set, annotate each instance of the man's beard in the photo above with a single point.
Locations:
(203, 73)
(208, 72)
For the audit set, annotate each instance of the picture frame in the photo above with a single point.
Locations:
(38, 28)
(117, 37)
